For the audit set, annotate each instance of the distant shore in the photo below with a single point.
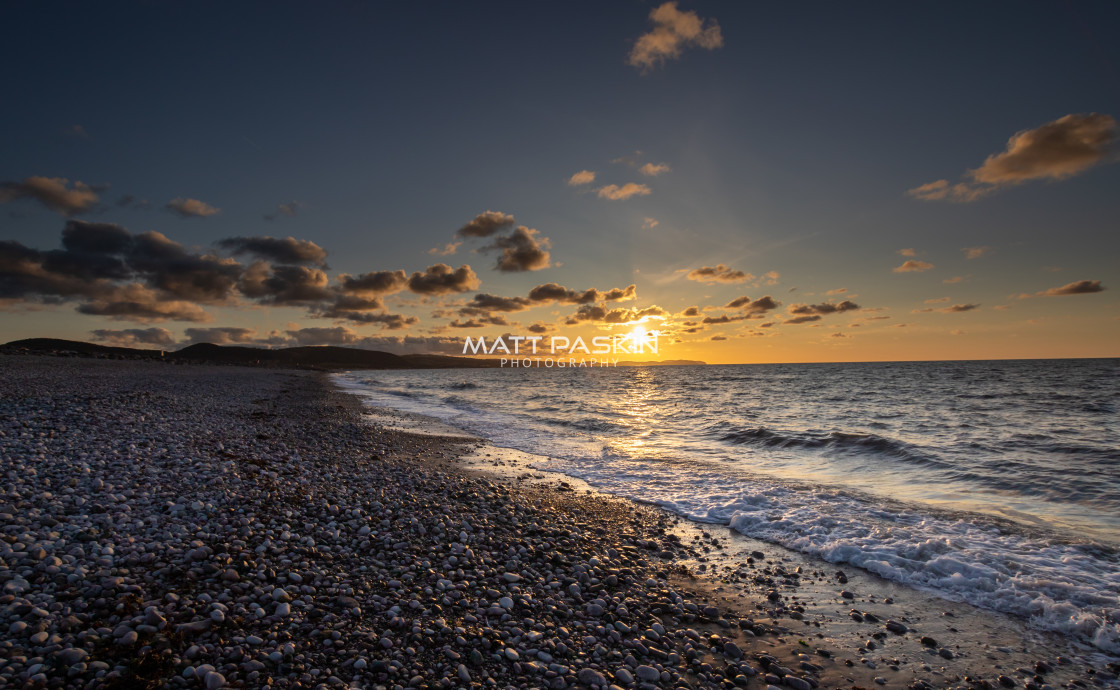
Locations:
(230, 527)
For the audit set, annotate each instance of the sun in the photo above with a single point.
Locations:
(639, 337)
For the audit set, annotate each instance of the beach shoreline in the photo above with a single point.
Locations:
(200, 526)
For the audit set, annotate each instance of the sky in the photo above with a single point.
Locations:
(754, 182)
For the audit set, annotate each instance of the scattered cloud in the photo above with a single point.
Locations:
(837, 291)
(131, 337)
(672, 32)
(581, 178)
(913, 266)
(753, 308)
(1081, 287)
(802, 319)
(286, 250)
(823, 309)
(1057, 150)
(447, 249)
(615, 193)
(718, 274)
(907, 252)
(191, 208)
(550, 292)
(222, 335)
(937, 300)
(953, 309)
(55, 193)
(649, 223)
(130, 201)
(288, 210)
(486, 224)
(521, 251)
(441, 279)
(654, 169)
(953, 280)
(975, 252)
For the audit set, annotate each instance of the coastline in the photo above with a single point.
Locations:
(220, 526)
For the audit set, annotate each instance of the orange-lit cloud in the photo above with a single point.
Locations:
(1081, 287)
(653, 170)
(631, 189)
(191, 208)
(719, 274)
(582, 177)
(975, 252)
(672, 32)
(913, 266)
(55, 193)
(1057, 150)
(486, 224)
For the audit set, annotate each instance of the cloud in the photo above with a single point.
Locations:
(77, 131)
(802, 319)
(626, 191)
(653, 170)
(823, 309)
(441, 279)
(953, 309)
(521, 251)
(289, 210)
(718, 337)
(1057, 150)
(650, 223)
(486, 224)
(691, 311)
(482, 322)
(392, 322)
(1081, 287)
(285, 285)
(837, 291)
(723, 318)
(913, 266)
(582, 177)
(482, 304)
(718, 274)
(538, 327)
(591, 312)
(191, 208)
(937, 300)
(97, 257)
(286, 250)
(131, 337)
(672, 32)
(55, 193)
(130, 201)
(907, 252)
(549, 292)
(953, 280)
(976, 252)
(376, 282)
(447, 249)
(756, 307)
(135, 302)
(222, 335)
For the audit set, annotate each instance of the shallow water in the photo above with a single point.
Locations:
(994, 483)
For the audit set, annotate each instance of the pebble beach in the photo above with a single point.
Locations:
(203, 526)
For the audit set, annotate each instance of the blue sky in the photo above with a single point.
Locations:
(791, 147)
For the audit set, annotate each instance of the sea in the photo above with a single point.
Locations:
(995, 483)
